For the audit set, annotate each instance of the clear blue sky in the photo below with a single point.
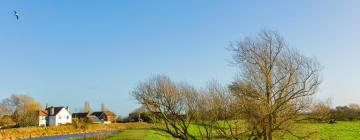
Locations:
(66, 52)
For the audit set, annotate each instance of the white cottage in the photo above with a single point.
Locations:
(54, 116)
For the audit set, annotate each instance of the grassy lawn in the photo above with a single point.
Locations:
(321, 131)
(141, 134)
(337, 131)
(341, 130)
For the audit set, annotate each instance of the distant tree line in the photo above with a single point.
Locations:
(323, 112)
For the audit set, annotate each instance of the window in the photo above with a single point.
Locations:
(67, 117)
(59, 117)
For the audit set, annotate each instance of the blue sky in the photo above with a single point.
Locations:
(68, 52)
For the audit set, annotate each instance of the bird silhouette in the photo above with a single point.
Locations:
(16, 14)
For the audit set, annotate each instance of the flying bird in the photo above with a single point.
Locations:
(16, 14)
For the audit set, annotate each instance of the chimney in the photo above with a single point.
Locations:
(52, 111)
(67, 108)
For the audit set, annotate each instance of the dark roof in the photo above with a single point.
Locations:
(92, 114)
(80, 115)
(107, 113)
(56, 110)
(97, 114)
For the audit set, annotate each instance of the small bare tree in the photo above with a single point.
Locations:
(103, 107)
(6, 108)
(172, 103)
(278, 82)
(217, 114)
(205, 117)
(355, 107)
(321, 110)
(87, 107)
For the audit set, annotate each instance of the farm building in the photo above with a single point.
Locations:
(96, 117)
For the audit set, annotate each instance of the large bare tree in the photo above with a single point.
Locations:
(275, 83)
(172, 103)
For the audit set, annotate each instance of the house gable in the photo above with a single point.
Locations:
(63, 112)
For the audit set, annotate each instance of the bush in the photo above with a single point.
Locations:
(79, 123)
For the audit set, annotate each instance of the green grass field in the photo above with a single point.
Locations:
(321, 131)
(337, 131)
(139, 134)
(133, 134)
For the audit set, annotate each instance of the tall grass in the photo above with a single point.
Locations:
(32, 132)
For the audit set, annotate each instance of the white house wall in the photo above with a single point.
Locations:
(42, 121)
(63, 117)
